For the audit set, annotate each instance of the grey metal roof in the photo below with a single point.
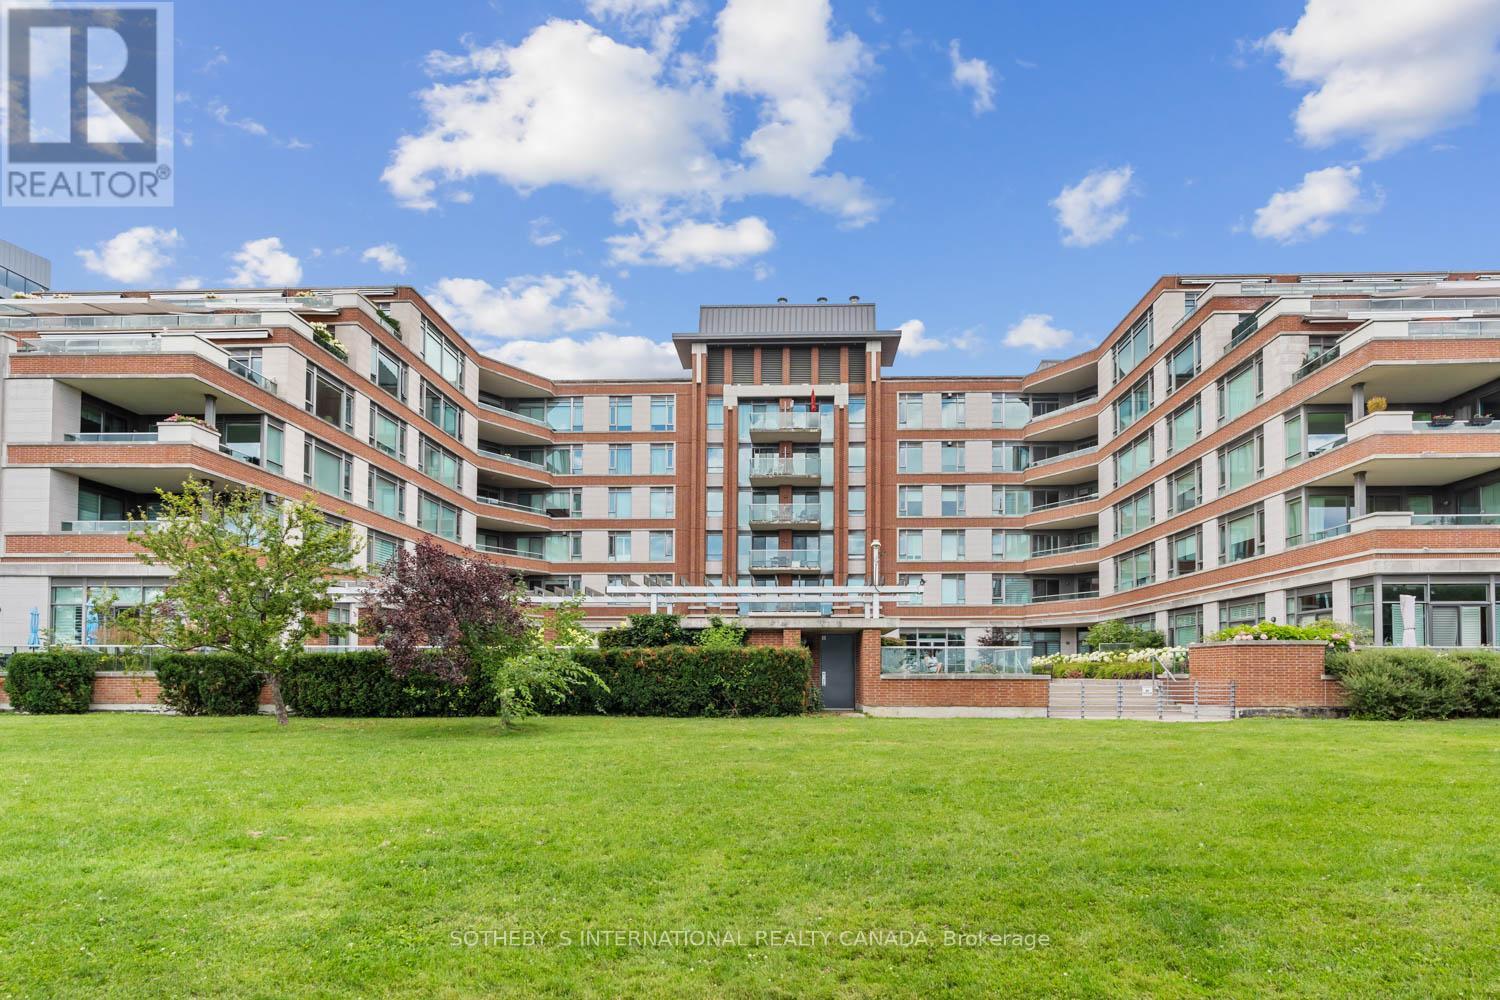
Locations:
(854, 317)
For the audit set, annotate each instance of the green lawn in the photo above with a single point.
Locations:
(144, 857)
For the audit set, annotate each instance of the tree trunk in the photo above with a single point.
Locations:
(276, 699)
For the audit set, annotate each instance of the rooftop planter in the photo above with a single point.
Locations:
(326, 340)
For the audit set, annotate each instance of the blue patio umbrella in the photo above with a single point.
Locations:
(35, 636)
(90, 627)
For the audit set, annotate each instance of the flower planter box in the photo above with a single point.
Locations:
(187, 432)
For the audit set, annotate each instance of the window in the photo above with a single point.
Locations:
(1185, 626)
(1362, 606)
(716, 458)
(909, 409)
(663, 413)
(388, 372)
(329, 399)
(663, 501)
(387, 432)
(620, 503)
(1008, 457)
(856, 545)
(440, 354)
(857, 501)
(1134, 569)
(439, 518)
(1182, 364)
(952, 456)
(1185, 553)
(1007, 546)
(1241, 535)
(619, 546)
(564, 459)
(954, 407)
(1240, 464)
(1183, 426)
(619, 413)
(1186, 489)
(565, 413)
(563, 546)
(856, 411)
(952, 501)
(1326, 429)
(1132, 348)
(716, 413)
(660, 543)
(1133, 405)
(441, 410)
(953, 546)
(387, 494)
(856, 458)
(909, 456)
(909, 501)
(1239, 391)
(380, 549)
(715, 502)
(327, 469)
(1133, 459)
(1303, 607)
(713, 546)
(257, 440)
(1134, 514)
(1242, 611)
(440, 463)
(908, 545)
(909, 580)
(1189, 303)
(663, 459)
(1294, 446)
(1010, 501)
(620, 460)
(1008, 411)
(1010, 590)
(953, 589)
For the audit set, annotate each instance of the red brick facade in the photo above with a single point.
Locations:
(1268, 674)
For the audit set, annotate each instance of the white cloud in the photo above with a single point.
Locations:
(544, 233)
(974, 75)
(653, 129)
(687, 245)
(221, 113)
(528, 306)
(914, 339)
(1388, 73)
(386, 257)
(1311, 208)
(135, 256)
(1090, 211)
(264, 262)
(662, 20)
(604, 355)
(1036, 332)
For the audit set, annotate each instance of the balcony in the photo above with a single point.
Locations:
(105, 527)
(772, 427)
(785, 561)
(786, 515)
(956, 660)
(774, 470)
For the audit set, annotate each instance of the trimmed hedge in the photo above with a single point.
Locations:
(360, 684)
(1395, 683)
(52, 682)
(696, 681)
(207, 683)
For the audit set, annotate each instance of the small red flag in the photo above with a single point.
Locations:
(812, 403)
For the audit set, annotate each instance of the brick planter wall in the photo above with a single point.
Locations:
(116, 691)
(940, 695)
(1268, 674)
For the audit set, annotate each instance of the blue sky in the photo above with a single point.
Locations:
(570, 180)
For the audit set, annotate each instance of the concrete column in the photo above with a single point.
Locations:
(1361, 494)
(1359, 401)
(210, 409)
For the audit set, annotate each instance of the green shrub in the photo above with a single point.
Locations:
(1338, 636)
(1484, 680)
(722, 635)
(52, 682)
(646, 631)
(1116, 633)
(360, 684)
(207, 683)
(695, 681)
(1386, 683)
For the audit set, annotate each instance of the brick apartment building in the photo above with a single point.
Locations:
(1215, 459)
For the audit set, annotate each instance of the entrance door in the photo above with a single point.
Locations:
(836, 670)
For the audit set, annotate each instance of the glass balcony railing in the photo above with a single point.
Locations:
(89, 437)
(250, 373)
(774, 422)
(102, 527)
(800, 466)
(1456, 520)
(785, 559)
(508, 505)
(1014, 660)
(786, 513)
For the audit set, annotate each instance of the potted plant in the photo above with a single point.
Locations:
(1375, 404)
(1481, 419)
(1441, 420)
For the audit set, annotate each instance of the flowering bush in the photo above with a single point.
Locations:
(184, 418)
(1122, 664)
(325, 336)
(1340, 637)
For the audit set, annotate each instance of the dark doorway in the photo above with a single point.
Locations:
(836, 670)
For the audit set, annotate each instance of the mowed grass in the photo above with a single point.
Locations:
(145, 857)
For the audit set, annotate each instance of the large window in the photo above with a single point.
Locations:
(1008, 546)
(1185, 626)
(663, 459)
(909, 409)
(1133, 405)
(1242, 535)
(1010, 501)
(1132, 348)
(716, 413)
(327, 468)
(1310, 604)
(909, 501)
(1239, 391)
(952, 453)
(621, 502)
(257, 440)
(441, 410)
(713, 546)
(663, 413)
(621, 461)
(437, 517)
(1134, 568)
(564, 459)
(565, 413)
(1134, 514)
(329, 399)
(387, 371)
(953, 591)
(856, 411)
(380, 549)
(1185, 552)
(1240, 463)
(954, 407)
(1315, 514)
(387, 432)
(387, 494)
(953, 547)
(951, 502)
(1133, 459)
(909, 545)
(663, 501)
(1313, 430)
(909, 456)
(1242, 611)
(1182, 364)
(619, 546)
(715, 458)
(440, 463)
(1183, 427)
(441, 355)
(1186, 488)
(660, 544)
(621, 419)
(1008, 411)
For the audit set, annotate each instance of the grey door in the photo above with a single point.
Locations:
(836, 670)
